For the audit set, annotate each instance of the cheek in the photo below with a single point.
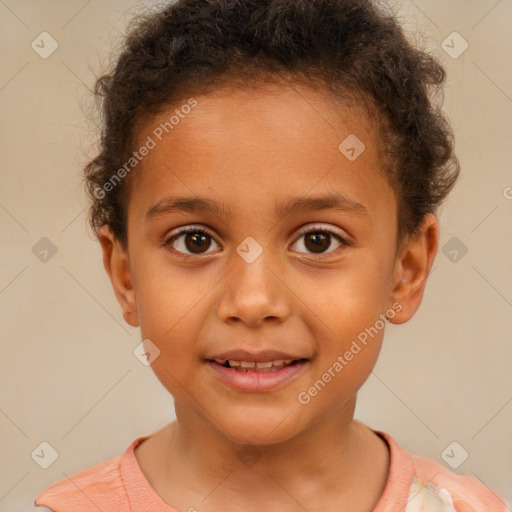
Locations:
(166, 296)
(170, 305)
(348, 306)
(172, 321)
(349, 298)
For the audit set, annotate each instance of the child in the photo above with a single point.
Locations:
(297, 142)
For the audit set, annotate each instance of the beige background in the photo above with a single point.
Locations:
(69, 376)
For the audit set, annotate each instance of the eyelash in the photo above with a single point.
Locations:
(203, 231)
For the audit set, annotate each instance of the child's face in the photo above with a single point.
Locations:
(248, 152)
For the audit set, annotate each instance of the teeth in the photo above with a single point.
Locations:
(260, 366)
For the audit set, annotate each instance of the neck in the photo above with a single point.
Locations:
(333, 460)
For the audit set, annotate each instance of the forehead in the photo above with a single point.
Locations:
(292, 110)
(255, 144)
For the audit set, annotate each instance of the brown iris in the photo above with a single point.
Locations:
(317, 242)
(197, 241)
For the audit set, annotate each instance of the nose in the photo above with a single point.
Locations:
(253, 293)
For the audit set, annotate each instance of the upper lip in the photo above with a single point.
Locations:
(261, 356)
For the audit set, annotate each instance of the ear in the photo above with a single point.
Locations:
(412, 268)
(117, 265)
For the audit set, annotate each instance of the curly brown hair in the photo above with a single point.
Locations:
(351, 48)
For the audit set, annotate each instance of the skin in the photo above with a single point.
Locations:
(250, 150)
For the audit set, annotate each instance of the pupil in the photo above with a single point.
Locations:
(319, 242)
(195, 240)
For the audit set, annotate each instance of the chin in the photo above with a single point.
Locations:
(259, 426)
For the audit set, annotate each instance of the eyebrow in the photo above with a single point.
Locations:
(294, 205)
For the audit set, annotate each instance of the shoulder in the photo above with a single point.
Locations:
(459, 493)
(418, 484)
(100, 487)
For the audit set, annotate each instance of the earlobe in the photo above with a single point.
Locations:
(412, 268)
(117, 266)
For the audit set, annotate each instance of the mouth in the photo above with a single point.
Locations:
(257, 366)
(256, 373)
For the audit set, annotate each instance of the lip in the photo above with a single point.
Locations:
(257, 382)
(262, 356)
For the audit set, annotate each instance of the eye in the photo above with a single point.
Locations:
(319, 240)
(196, 240)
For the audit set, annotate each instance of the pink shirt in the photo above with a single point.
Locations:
(415, 484)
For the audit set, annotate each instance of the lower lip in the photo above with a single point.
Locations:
(255, 382)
